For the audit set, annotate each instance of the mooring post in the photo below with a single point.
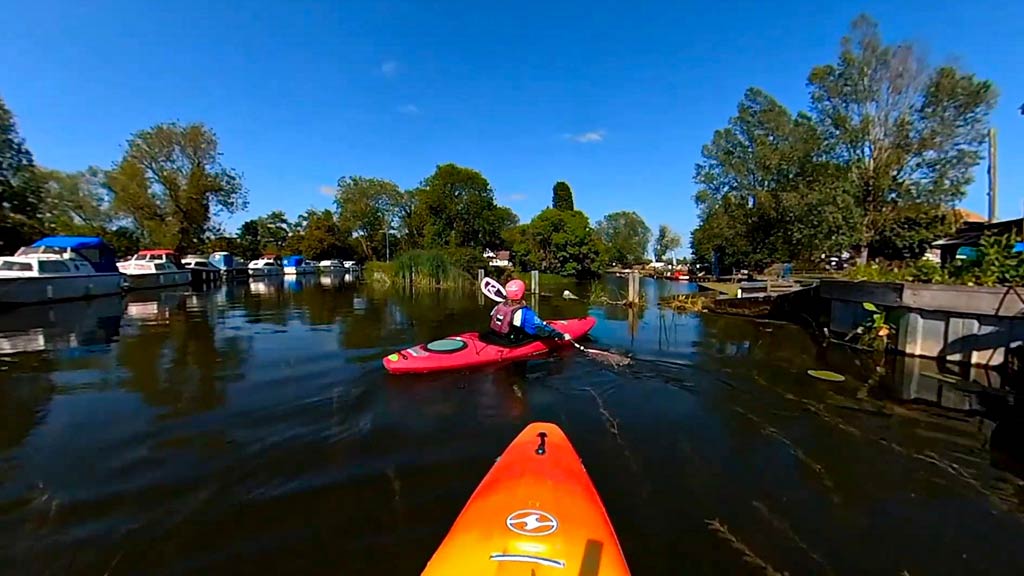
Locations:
(535, 281)
(634, 287)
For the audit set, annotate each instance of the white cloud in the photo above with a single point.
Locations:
(389, 68)
(410, 109)
(516, 197)
(327, 190)
(587, 137)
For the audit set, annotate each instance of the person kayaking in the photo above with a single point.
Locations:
(513, 322)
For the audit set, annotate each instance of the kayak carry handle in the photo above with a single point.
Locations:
(542, 448)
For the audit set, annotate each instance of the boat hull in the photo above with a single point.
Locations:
(265, 271)
(33, 289)
(536, 513)
(204, 276)
(298, 270)
(478, 352)
(161, 279)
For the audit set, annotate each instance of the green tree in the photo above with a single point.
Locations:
(267, 234)
(561, 197)
(455, 207)
(557, 242)
(368, 207)
(665, 242)
(318, 236)
(908, 136)
(20, 187)
(763, 194)
(625, 236)
(171, 183)
(75, 203)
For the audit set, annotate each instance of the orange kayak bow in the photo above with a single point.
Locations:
(535, 513)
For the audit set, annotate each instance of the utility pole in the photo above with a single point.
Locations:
(993, 187)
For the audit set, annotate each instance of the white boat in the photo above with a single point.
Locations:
(266, 266)
(59, 268)
(331, 266)
(298, 265)
(202, 270)
(154, 269)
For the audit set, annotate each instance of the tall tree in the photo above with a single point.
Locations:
(318, 236)
(557, 242)
(455, 207)
(665, 242)
(266, 234)
(171, 183)
(368, 207)
(625, 236)
(763, 194)
(75, 203)
(908, 135)
(561, 197)
(20, 186)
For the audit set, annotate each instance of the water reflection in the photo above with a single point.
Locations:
(60, 325)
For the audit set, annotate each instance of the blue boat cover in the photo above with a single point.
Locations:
(93, 249)
(294, 261)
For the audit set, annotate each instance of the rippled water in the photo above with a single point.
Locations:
(252, 429)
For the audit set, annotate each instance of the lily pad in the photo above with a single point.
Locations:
(826, 375)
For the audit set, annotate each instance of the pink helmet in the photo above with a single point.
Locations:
(515, 289)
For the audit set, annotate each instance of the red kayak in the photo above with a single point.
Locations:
(470, 349)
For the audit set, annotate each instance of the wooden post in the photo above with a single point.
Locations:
(993, 187)
(479, 276)
(633, 287)
(535, 282)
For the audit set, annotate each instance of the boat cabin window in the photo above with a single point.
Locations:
(91, 254)
(53, 267)
(268, 264)
(10, 266)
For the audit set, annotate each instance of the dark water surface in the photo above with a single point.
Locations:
(252, 430)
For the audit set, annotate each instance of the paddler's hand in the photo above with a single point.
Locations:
(565, 337)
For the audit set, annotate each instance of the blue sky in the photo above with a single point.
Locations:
(615, 98)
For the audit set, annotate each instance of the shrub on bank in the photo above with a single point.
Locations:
(994, 263)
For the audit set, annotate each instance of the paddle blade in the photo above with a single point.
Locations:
(492, 289)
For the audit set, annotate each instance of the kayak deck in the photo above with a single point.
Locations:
(535, 513)
(470, 350)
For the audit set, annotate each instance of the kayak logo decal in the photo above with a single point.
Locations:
(531, 523)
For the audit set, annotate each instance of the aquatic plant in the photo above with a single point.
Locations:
(420, 269)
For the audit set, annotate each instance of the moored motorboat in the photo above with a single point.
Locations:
(475, 349)
(202, 270)
(229, 266)
(154, 269)
(296, 264)
(266, 266)
(331, 266)
(59, 268)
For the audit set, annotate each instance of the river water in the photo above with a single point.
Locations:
(251, 430)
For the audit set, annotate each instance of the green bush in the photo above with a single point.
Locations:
(995, 264)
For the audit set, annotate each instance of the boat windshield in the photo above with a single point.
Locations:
(30, 250)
